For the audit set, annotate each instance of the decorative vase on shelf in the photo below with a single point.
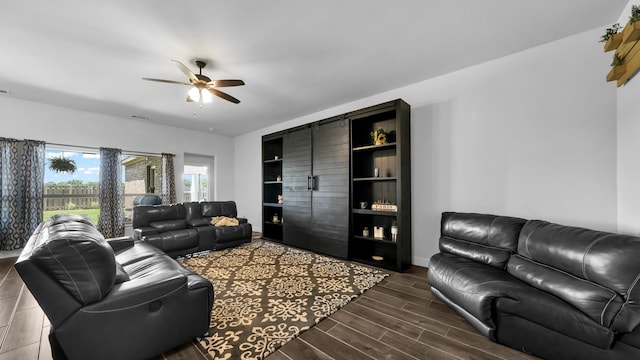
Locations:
(379, 136)
(394, 231)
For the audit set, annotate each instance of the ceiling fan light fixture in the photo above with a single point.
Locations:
(195, 94)
(199, 82)
(206, 96)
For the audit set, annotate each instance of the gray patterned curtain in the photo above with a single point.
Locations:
(111, 220)
(21, 190)
(168, 180)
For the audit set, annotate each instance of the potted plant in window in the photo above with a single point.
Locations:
(61, 164)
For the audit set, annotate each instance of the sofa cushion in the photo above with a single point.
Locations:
(224, 234)
(169, 225)
(471, 285)
(597, 302)
(488, 239)
(144, 215)
(170, 241)
(219, 208)
(84, 263)
(139, 250)
(193, 211)
(605, 260)
(198, 222)
(551, 312)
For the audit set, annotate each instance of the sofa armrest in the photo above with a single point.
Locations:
(120, 243)
(140, 291)
(242, 220)
(139, 233)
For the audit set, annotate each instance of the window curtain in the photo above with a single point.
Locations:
(111, 220)
(168, 180)
(21, 190)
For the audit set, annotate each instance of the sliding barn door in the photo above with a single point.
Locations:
(330, 193)
(296, 187)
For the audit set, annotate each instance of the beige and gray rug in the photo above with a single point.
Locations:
(266, 294)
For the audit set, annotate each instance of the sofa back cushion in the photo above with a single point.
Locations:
(484, 238)
(168, 225)
(595, 271)
(219, 208)
(74, 254)
(193, 212)
(144, 215)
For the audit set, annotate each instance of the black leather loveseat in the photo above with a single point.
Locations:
(165, 227)
(114, 298)
(199, 214)
(555, 291)
(182, 229)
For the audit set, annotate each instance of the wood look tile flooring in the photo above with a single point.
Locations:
(398, 318)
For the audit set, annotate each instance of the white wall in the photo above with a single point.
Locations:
(29, 120)
(628, 113)
(530, 135)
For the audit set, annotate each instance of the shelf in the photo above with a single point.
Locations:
(379, 178)
(271, 239)
(272, 223)
(384, 263)
(614, 41)
(273, 161)
(625, 43)
(372, 212)
(272, 182)
(370, 238)
(375, 147)
(272, 205)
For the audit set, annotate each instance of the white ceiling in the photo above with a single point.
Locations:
(296, 56)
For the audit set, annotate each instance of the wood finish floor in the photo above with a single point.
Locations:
(398, 318)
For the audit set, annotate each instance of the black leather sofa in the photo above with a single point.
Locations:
(199, 215)
(114, 298)
(182, 229)
(555, 291)
(165, 227)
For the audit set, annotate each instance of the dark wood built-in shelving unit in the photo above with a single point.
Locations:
(326, 169)
(392, 185)
(271, 187)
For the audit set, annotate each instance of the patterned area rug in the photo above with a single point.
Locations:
(266, 294)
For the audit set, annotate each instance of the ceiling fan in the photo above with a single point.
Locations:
(202, 87)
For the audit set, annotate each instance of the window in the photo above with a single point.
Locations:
(198, 178)
(78, 192)
(195, 183)
(142, 176)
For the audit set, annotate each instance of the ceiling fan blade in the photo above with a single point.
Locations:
(225, 83)
(224, 95)
(167, 81)
(189, 99)
(186, 71)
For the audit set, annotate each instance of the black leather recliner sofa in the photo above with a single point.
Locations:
(182, 229)
(555, 291)
(165, 227)
(199, 215)
(114, 298)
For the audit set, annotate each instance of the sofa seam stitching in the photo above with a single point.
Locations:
(479, 244)
(584, 255)
(568, 274)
